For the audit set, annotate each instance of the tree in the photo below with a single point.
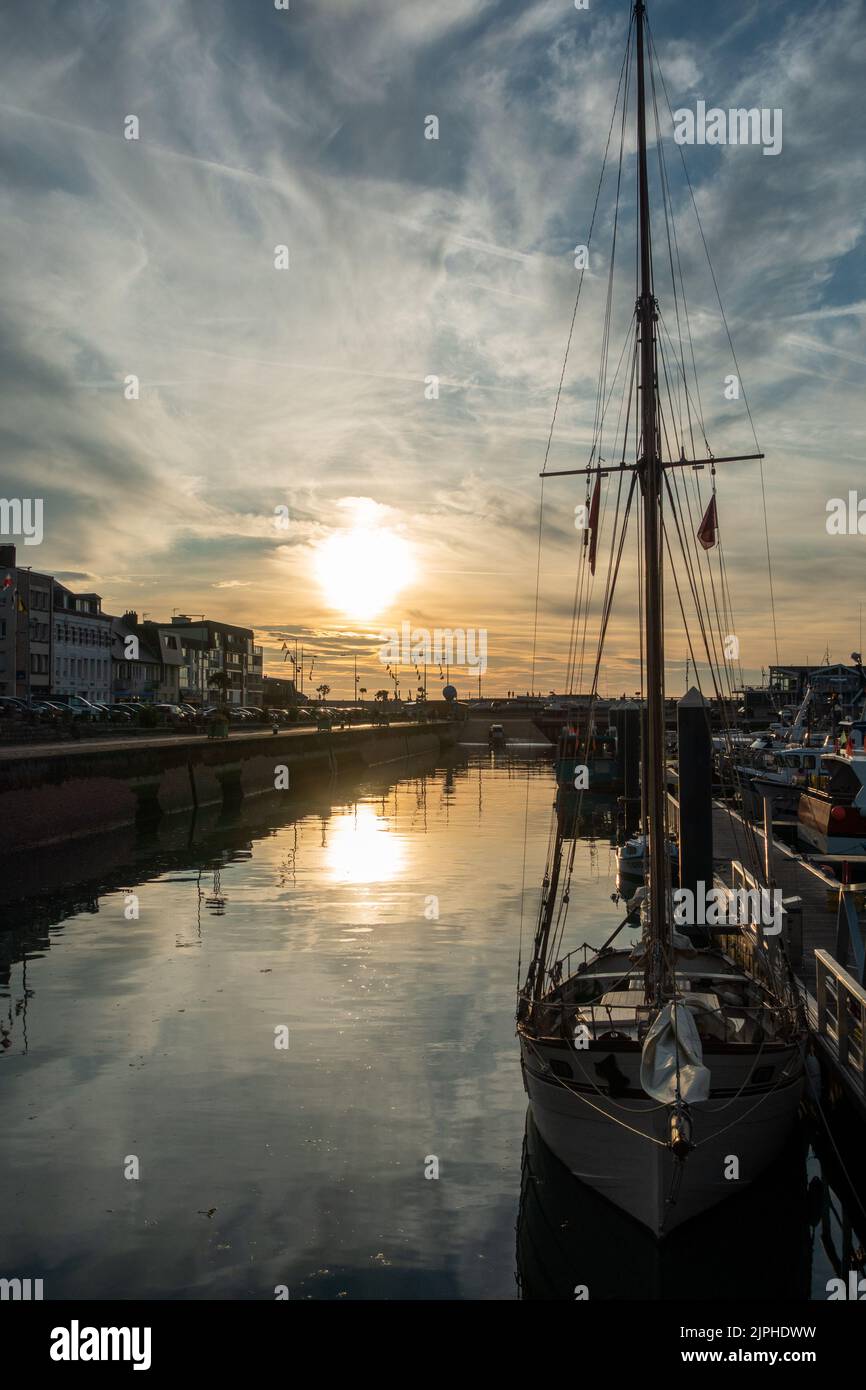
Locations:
(322, 691)
(381, 695)
(221, 682)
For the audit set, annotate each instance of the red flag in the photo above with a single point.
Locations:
(709, 525)
(7, 582)
(593, 522)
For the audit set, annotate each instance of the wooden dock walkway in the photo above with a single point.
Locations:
(795, 876)
(835, 1000)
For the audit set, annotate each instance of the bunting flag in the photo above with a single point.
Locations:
(709, 525)
(593, 522)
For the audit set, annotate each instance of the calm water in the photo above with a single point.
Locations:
(153, 1039)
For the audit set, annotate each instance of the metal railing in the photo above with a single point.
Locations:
(558, 1018)
(842, 1016)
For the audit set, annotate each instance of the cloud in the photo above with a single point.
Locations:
(410, 259)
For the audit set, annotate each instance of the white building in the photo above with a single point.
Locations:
(82, 646)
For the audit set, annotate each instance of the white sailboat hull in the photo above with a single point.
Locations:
(588, 1134)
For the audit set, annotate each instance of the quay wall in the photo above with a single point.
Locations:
(49, 795)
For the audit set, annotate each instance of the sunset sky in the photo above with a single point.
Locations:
(304, 388)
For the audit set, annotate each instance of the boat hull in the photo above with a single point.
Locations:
(817, 827)
(618, 1143)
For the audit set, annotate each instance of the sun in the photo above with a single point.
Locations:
(362, 570)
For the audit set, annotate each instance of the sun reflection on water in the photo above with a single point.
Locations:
(363, 848)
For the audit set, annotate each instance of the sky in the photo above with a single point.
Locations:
(287, 464)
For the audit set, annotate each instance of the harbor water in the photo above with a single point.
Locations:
(270, 1053)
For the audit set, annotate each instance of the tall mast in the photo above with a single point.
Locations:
(650, 473)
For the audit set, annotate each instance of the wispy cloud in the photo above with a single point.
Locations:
(409, 259)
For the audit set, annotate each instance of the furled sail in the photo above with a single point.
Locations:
(674, 1039)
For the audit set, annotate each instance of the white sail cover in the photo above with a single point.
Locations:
(673, 1037)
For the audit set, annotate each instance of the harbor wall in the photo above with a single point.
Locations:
(52, 795)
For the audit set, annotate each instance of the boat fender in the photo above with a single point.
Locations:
(681, 1133)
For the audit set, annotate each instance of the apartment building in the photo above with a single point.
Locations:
(81, 655)
(214, 648)
(26, 607)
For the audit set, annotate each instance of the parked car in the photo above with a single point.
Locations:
(77, 706)
(190, 711)
(173, 715)
(46, 711)
(12, 708)
(274, 713)
(120, 713)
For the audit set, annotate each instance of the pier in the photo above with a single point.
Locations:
(55, 792)
(824, 942)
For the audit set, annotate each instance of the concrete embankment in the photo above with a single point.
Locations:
(51, 794)
(517, 730)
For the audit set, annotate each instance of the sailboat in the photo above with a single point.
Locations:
(666, 1074)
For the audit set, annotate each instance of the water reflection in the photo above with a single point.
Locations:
(781, 1238)
(154, 1034)
(362, 847)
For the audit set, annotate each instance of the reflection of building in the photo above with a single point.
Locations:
(82, 646)
(25, 629)
(221, 662)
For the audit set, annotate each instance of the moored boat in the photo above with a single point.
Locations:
(669, 1074)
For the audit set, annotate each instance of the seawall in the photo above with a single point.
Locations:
(56, 793)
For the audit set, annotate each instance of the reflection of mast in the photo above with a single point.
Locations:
(216, 902)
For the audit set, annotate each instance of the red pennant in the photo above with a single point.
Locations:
(709, 525)
(593, 522)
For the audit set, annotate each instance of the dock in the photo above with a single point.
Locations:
(824, 940)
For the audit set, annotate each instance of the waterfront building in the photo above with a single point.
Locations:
(135, 660)
(26, 606)
(214, 647)
(81, 657)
